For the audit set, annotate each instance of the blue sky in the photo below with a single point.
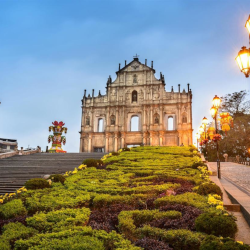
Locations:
(50, 51)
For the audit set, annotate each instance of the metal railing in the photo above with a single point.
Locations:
(240, 160)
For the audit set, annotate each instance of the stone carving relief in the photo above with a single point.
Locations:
(156, 93)
(113, 95)
(141, 95)
(128, 96)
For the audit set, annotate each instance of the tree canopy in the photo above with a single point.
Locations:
(237, 140)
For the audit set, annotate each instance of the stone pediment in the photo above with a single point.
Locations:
(135, 66)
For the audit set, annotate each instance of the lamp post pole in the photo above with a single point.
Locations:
(217, 147)
(214, 111)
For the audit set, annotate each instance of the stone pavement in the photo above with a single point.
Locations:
(235, 184)
(16, 170)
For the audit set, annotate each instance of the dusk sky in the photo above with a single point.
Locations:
(50, 51)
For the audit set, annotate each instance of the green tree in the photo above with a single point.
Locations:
(237, 140)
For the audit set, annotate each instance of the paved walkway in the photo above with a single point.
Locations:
(237, 173)
(235, 184)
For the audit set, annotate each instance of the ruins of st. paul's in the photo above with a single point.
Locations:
(136, 96)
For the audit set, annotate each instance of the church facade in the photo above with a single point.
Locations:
(136, 110)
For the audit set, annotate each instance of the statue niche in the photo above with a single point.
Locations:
(112, 120)
(134, 96)
(87, 121)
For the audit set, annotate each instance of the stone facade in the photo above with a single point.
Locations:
(165, 118)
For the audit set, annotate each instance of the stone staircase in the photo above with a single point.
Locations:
(16, 170)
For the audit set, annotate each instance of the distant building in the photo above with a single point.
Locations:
(8, 145)
(136, 110)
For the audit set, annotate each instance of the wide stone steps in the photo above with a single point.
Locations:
(16, 170)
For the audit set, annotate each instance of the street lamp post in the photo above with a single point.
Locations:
(243, 57)
(214, 111)
(204, 123)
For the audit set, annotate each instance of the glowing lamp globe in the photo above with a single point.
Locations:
(248, 24)
(243, 60)
(213, 111)
(216, 102)
(204, 121)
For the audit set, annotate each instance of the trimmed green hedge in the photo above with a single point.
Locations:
(76, 238)
(12, 209)
(178, 239)
(209, 188)
(56, 221)
(36, 183)
(214, 243)
(130, 220)
(216, 224)
(16, 230)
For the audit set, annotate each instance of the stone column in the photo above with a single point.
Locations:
(106, 143)
(90, 143)
(122, 139)
(151, 134)
(161, 134)
(116, 138)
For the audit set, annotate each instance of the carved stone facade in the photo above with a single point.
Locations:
(136, 92)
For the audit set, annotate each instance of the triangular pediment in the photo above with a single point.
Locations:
(134, 66)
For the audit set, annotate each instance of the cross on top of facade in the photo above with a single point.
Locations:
(136, 56)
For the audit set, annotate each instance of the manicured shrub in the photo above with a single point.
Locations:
(13, 231)
(187, 199)
(92, 163)
(126, 149)
(57, 178)
(177, 239)
(130, 220)
(72, 242)
(12, 209)
(209, 188)
(216, 224)
(59, 220)
(4, 244)
(36, 183)
(152, 244)
(198, 164)
(214, 243)
(77, 238)
(54, 199)
(114, 153)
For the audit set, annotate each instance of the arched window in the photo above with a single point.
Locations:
(170, 123)
(100, 125)
(184, 119)
(135, 78)
(87, 121)
(112, 120)
(156, 119)
(134, 123)
(134, 96)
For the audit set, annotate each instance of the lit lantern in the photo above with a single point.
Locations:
(248, 24)
(211, 132)
(216, 102)
(243, 60)
(213, 111)
(204, 121)
(225, 120)
(201, 130)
